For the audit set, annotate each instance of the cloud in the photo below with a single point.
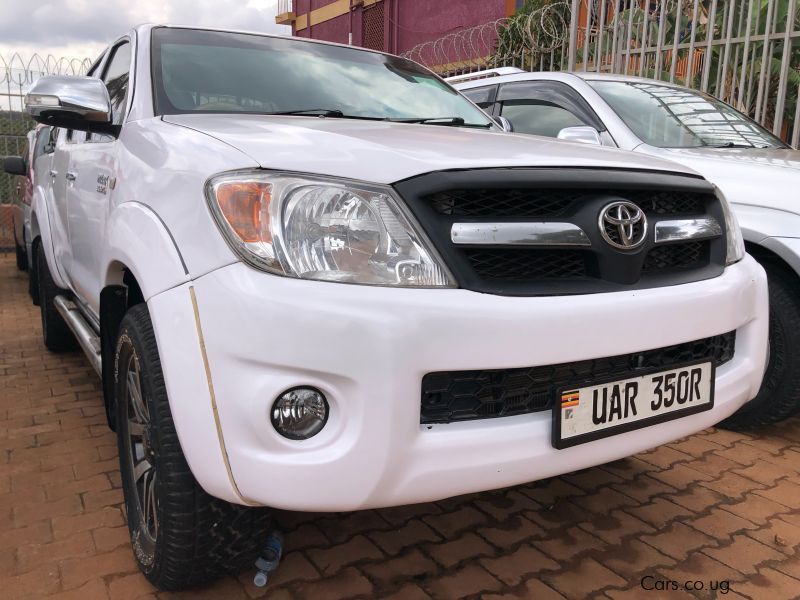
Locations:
(82, 28)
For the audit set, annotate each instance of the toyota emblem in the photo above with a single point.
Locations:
(623, 225)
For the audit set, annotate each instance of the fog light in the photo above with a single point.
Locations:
(300, 413)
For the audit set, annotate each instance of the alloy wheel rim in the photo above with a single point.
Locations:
(140, 450)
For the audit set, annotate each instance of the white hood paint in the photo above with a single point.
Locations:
(384, 152)
(768, 177)
(762, 157)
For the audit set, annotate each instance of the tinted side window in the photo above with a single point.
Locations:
(545, 107)
(116, 79)
(539, 117)
(25, 154)
(42, 139)
(482, 96)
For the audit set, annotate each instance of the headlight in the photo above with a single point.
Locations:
(735, 250)
(324, 229)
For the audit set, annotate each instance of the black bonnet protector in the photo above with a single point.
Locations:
(574, 196)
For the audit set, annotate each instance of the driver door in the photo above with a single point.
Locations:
(90, 184)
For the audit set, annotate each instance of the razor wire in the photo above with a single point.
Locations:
(536, 36)
(17, 75)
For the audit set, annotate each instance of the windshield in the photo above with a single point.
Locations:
(222, 72)
(671, 117)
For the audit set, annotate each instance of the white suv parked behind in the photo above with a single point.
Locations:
(755, 170)
(315, 277)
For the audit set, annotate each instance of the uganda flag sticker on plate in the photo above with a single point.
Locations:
(570, 398)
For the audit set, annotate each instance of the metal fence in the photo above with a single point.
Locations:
(746, 52)
(17, 74)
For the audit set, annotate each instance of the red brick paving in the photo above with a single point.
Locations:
(718, 506)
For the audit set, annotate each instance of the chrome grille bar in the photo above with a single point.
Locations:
(681, 230)
(519, 234)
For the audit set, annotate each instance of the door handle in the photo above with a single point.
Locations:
(71, 176)
(53, 173)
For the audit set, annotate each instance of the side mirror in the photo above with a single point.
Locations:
(14, 165)
(80, 103)
(504, 123)
(582, 133)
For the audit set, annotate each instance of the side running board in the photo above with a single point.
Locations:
(87, 338)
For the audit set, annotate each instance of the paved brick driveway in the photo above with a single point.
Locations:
(716, 507)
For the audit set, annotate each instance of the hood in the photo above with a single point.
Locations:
(766, 177)
(768, 157)
(385, 152)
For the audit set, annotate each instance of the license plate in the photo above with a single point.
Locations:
(584, 414)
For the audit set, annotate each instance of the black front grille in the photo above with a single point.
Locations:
(523, 263)
(576, 197)
(498, 203)
(449, 396)
(668, 203)
(504, 202)
(676, 256)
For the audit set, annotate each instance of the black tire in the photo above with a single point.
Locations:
(55, 333)
(22, 257)
(189, 538)
(779, 396)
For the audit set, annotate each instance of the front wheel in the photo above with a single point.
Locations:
(779, 396)
(181, 536)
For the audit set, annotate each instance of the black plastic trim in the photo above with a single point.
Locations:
(609, 269)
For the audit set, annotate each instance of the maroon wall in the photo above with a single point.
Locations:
(415, 21)
(406, 22)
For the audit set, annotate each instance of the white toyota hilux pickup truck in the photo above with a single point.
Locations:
(315, 277)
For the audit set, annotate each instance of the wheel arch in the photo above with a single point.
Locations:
(121, 292)
(772, 254)
(141, 260)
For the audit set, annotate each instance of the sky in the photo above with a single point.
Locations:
(82, 28)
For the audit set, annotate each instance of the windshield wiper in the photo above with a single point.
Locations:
(333, 113)
(730, 145)
(446, 121)
(314, 112)
(338, 114)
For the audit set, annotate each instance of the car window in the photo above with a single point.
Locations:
(482, 96)
(74, 136)
(539, 117)
(25, 154)
(116, 79)
(209, 71)
(673, 117)
(42, 140)
(545, 107)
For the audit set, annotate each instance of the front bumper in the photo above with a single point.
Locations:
(367, 349)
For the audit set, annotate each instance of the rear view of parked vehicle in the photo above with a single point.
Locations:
(755, 170)
(315, 277)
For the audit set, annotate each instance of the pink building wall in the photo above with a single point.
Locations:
(406, 23)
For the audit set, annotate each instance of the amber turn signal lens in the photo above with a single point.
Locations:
(245, 206)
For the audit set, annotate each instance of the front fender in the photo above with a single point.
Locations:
(774, 229)
(139, 241)
(761, 222)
